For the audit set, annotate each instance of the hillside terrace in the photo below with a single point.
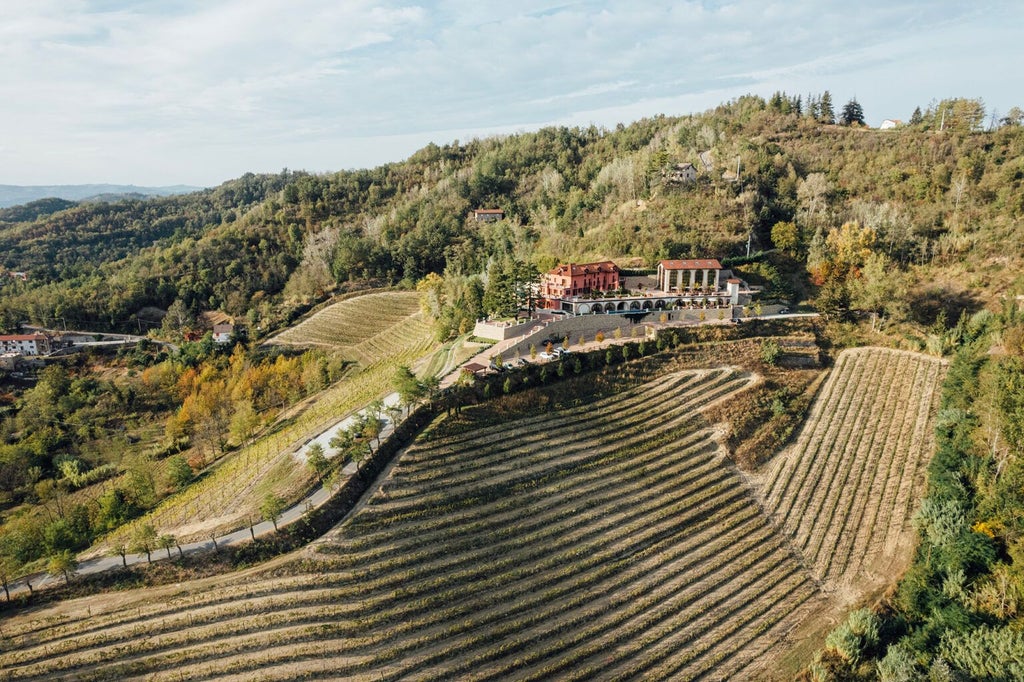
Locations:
(588, 288)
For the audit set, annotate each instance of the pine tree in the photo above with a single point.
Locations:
(917, 117)
(852, 113)
(826, 114)
(811, 110)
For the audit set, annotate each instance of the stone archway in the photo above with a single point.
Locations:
(583, 308)
(634, 305)
(659, 305)
(647, 305)
(621, 306)
(598, 308)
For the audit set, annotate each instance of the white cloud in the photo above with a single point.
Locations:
(156, 92)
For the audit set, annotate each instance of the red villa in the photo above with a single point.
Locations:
(575, 279)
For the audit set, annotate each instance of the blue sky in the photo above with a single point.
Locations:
(155, 92)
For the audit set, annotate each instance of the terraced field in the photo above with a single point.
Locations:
(614, 540)
(845, 491)
(365, 328)
(383, 331)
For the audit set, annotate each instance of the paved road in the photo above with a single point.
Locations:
(312, 501)
(316, 498)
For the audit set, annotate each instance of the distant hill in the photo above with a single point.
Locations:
(33, 209)
(12, 195)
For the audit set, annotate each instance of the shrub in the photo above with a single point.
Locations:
(770, 351)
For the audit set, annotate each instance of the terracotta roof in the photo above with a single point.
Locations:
(23, 337)
(223, 328)
(585, 268)
(212, 317)
(733, 280)
(694, 264)
(474, 367)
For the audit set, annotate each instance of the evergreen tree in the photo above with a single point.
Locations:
(852, 113)
(826, 114)
(499, 296)
(917, 117)
(812, 108)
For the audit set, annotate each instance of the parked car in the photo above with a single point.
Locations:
(783, 311)
(548, 356)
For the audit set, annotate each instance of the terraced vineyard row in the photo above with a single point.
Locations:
(844, 491)
(612, 540)
(368, 327)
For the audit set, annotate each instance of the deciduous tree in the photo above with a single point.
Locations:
(143, 540)
(317, 460)
(271, 508)
(63, 562)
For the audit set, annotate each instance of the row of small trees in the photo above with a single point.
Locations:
(354, 443)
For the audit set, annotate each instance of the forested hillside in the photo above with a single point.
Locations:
(260, 245)
(909, 237)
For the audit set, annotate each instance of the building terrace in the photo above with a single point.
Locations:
(588, 288)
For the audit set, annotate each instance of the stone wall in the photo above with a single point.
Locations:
(590, 325)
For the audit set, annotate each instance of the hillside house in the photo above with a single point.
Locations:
(682, 173)
(222, 333)
(682, 275)
(26, 344)
(488, 215)
(575, 279)
(890, 123)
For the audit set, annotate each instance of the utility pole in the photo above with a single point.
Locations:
(749, 237)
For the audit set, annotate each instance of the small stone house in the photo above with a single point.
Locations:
(488, 215)
(682, 173)
(222, 333)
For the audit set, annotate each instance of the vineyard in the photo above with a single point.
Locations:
(229, 497)
(613, 539)
(845, 491)
(365, 328)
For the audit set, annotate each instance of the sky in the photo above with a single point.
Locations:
(161, 92)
